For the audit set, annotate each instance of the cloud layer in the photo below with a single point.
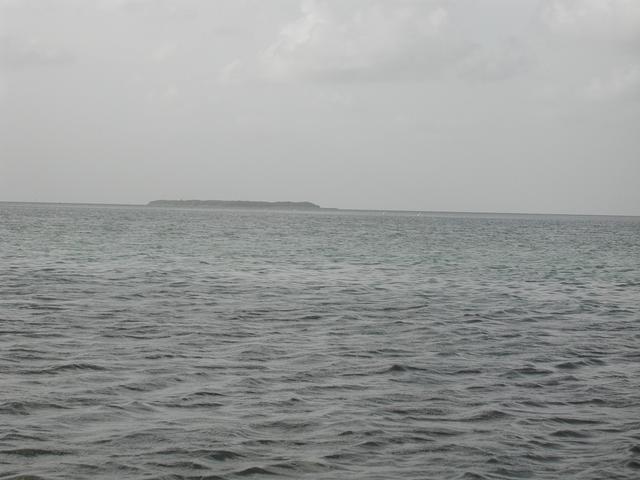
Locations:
(19, 53)
(604, 20)
(361, 41)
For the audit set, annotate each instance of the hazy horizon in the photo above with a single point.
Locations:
(435, 105)
(322, 208)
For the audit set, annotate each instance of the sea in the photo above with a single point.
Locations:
(167, 343)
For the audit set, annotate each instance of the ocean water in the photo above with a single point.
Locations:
(152, 343)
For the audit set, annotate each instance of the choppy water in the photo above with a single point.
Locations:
(146, 343)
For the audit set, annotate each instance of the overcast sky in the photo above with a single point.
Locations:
(464, 105)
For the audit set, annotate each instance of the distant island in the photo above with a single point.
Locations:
(234, 204)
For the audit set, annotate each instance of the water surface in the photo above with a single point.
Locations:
(144, 343)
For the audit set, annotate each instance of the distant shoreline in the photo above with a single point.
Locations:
(286, 205)
(331, 209)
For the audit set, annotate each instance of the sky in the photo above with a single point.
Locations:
(443, 105)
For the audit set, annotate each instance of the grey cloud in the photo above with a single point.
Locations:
(150, 7)
(362, 41)
(365, 41)
(16, 53)
(508, 59)
(591, 48)
(619, 83)
(601, 20)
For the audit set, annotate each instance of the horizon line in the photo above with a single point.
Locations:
(340, 209)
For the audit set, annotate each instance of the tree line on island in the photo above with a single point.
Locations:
(233, 204)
